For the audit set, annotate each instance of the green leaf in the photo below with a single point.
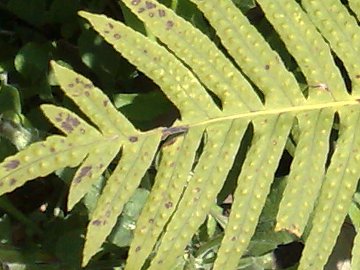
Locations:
(9, 99)
(122, 233)
(32, 60)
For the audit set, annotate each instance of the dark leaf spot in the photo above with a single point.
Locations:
(151, 14)
(96, 222)
(88, 86)
(162, 13)
(135, 2)
(84, 171)
(149, 5)
(168, 205)
(70, 85)
(12, 181)
(133, 139)
(111, 26)
(358, 100)
(169, 142)
(357, 76)
(141, 10)
(160, 262)
(12, 164)
(117, 36)
(137, 249)
(108, 213)
(267, 67)
(151, 220)
(1, 184)
(58, 119)
(274, 142)
(172, 164)
(169, 25)
(105, 103)
(70, 123)
(87, 93)
(101, 165)
(106, 31)
(77, 80)
(233, 238)
(82, 130)
(197, 189)
(52, 149)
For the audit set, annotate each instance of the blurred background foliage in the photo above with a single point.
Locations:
(36, 230)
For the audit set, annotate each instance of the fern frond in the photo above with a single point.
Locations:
(186, 65)
(135, 160)
(200, 194)
(171, 178)
(339, 185)
(42, 158)
(341, 30)
(252, 53)
(355, 6)
(214, 70)
(253, 186)
(354, 213)
(177, 82)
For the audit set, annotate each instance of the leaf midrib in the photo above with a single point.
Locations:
(273, 111)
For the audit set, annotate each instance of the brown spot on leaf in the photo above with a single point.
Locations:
(117, 36)
(133, 139)
(168, 205)
(135, 2)
(111, 26)
(105, 103)
(169, 25)
(1, 183)
(77, 80)
(274, 142)
(59, 117)
(106, 31)
(70, 123)
(357, 76)
(197, 189)
(12, 164)
(141, 10)
(107, 213)
(88, 86)
(71, 85)
(12, 181)
(267, 67)
(151, 220)
(233, 238)
(137, 249)
(96, 222)
(87, 93)
(162, 13)
(52, 149)
(151, 14)
(82, 130)
(84, 171)
(149, 5)
(160, 262)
